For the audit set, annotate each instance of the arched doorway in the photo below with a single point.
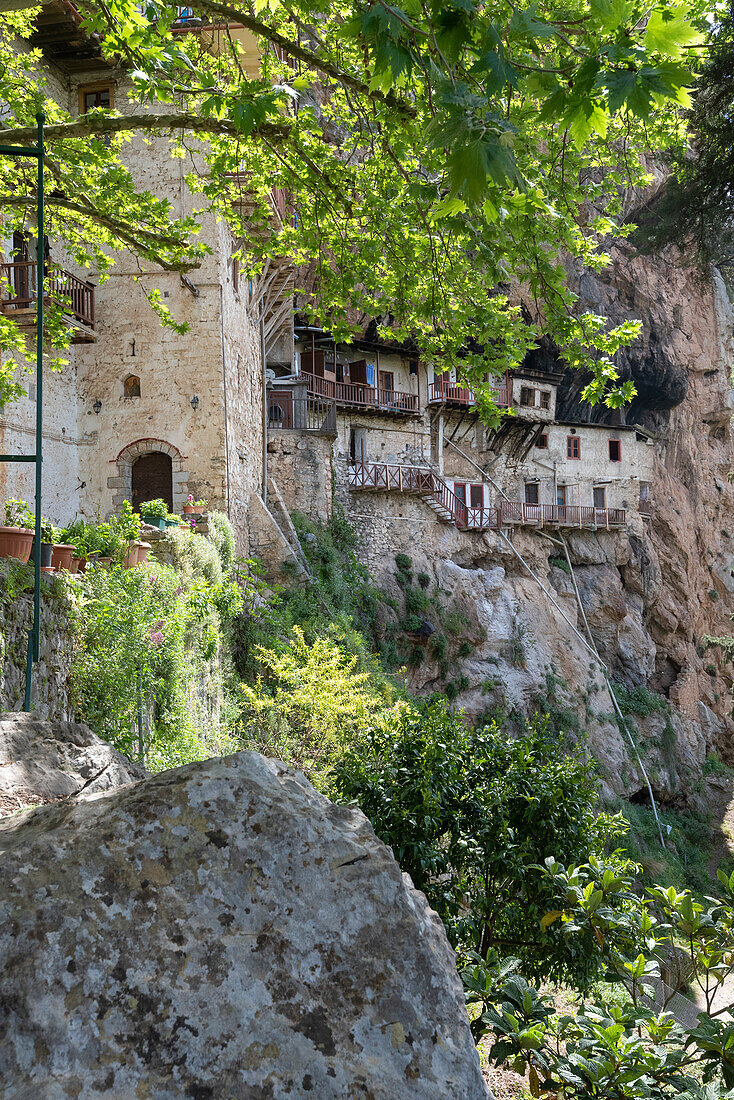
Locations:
(152, 478)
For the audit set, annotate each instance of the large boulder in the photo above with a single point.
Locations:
(46, 761)
(221, 931)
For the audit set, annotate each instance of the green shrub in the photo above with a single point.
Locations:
(471, 815)
(195, 556)
(144, 637)
(156, 507)
(221, 534)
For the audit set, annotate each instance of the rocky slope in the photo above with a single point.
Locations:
(652, 593)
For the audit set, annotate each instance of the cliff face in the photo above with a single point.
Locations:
(651, 593)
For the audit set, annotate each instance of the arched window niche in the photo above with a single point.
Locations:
(131, 386)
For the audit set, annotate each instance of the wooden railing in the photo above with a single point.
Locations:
(358, 395)
(290, 412)
(645, 507)
(561, 515)
(441, 391)
(20, 288)
(424, 481)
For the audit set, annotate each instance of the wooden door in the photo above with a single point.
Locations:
(153, 479)
(460, 493)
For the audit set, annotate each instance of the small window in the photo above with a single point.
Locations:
(476, 496)
(573, 446)
(131, 386)
(532, 492)
(600, 496)
(644, 491)
(236, 274)
(527, 395)
(96, 95)
(615, 450)
(561, 496)
(545, 399)
(542, 442)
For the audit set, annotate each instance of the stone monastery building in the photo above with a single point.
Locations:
(261, 416)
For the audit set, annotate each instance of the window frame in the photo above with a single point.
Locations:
(573, 443)
(599, 489)
(100, 86)
(527, 390)
(618, 443)
(542, 446)
(545, 399)
(532, 485)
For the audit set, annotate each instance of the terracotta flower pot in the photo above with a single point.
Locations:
(74, 568)
(131, 557)
(15, 542)
(188, 509)
(61, 556)
(104, 562)
(143, 549)
(82, 565)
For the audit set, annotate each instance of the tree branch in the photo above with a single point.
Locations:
(307, 56)
(92, 124)
(143, 241)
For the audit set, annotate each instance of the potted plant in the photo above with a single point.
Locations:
(64, 551)
(47, 545)
(154, 512)
(192, 506)
(16, 537)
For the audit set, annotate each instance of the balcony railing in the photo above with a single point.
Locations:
(448, 393)
(561, 515)
(20, 290)
(289, 412)
(425, 482)
(360, 396)
(645, 507)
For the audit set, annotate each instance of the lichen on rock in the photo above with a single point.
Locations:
(221, 930)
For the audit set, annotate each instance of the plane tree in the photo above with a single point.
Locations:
(437, 156)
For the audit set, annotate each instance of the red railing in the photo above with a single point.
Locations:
(448, 392)
(20, 283)
(358, 395)
(426, 482)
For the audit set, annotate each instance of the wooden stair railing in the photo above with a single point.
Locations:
(424, 482)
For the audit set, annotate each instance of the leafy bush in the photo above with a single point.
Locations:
(144, 637)
(471, 815)
(222, 535)
(312, 703)
(156, 507)
(193, 555)
(621, 1048)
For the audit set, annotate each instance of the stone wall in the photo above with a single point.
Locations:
(51, 695)
(300, 463)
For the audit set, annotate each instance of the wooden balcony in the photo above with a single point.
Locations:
(368, 399)
(448, 393)
(645, 508)
(424, 482)
(294, 412)
(18, 289)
